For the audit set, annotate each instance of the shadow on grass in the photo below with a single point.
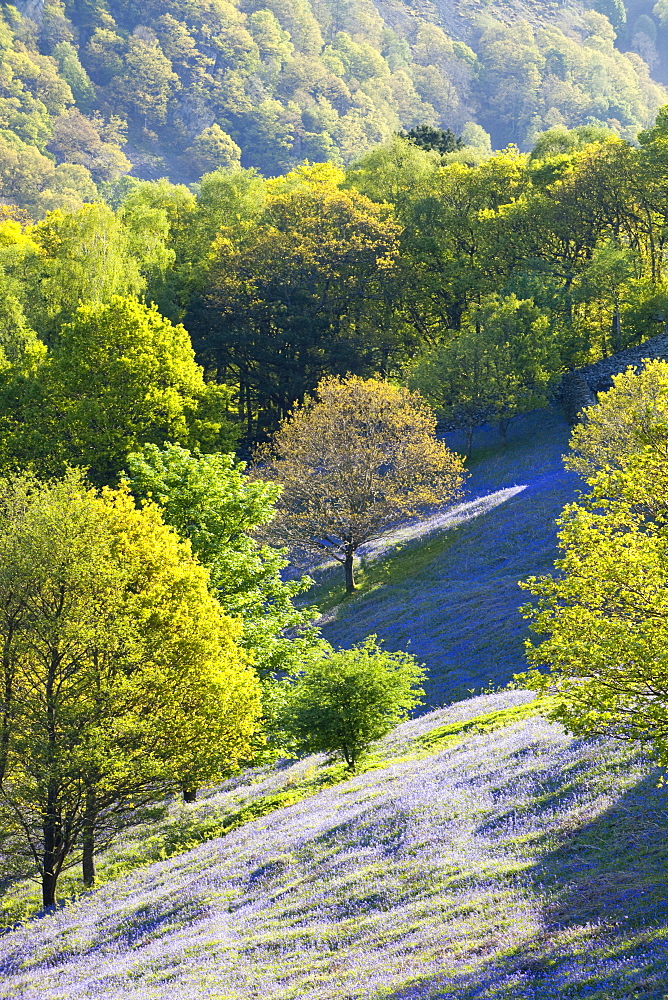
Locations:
(605, 920)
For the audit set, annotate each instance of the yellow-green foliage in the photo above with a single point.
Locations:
(121, 676)
(359, 456)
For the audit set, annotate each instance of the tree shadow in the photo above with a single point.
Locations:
(604, 932)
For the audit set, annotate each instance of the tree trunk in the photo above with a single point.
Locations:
(52, 849)
(249, 413)
(189, 794)
(616, 331)
(469, 441)
(49, 880)
(88, 859)
(348, 567)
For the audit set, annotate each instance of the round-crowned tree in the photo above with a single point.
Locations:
(344, 701)
(352, 461)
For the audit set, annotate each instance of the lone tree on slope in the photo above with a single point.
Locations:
(352, 461)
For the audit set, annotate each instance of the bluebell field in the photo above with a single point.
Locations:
(520, 864)
(459, 614)
(484, 854)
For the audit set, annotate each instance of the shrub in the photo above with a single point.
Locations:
(344, 701)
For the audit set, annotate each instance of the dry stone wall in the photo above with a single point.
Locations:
(579, 388)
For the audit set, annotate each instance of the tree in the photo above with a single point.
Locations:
(120, 375)
(454, 378)
(147, 82)
(602, 280)
(292, 298)
(605, 615)
(85, 256)
(121, 675)
(344, 701)
(212, 502)
(212, 149)
(77, 139)
(353, 460)
(631, 415)
(614, 10)
(427, 137)
(520, 353)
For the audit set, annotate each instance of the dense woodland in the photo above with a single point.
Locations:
(478, 283)
(91, 91)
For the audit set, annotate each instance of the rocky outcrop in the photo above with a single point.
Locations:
(575, 395)
(599, 375)
(34, 9)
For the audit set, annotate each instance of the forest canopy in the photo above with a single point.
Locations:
(92, 92)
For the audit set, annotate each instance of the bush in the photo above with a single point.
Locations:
(344, 701)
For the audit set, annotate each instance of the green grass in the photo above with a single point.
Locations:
(401, 563)
(450, 735)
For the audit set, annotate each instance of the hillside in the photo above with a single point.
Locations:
(487, 855)
(453, 599)
(90, 92)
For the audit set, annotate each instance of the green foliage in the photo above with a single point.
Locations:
(604, 615)
(500, 364)
(353, 461)
(119, 375)
(345, 701)
(288, 297)
(212, 503)
(212, 150)
(121, 674)
(428, 137)
(626, 419)
(614, 10)
(288, 80)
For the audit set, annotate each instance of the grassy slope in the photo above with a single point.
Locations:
(453, 600)
(495, 858)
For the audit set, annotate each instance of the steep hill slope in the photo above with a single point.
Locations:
(453, 600)
(182, 87)
(489, 856)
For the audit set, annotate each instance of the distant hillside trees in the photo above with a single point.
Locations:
(121, 676)
(428, 137)
(177, 90)
(356, 457)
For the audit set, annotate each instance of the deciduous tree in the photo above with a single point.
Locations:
(121, 675)
(212, 502)
(344, 701)
(603, 617)
(631, 415)
(353, 460)
(119, 375)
